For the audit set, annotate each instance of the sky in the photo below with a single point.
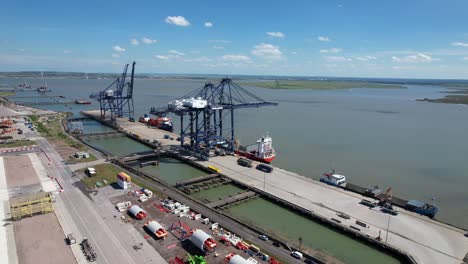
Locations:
(391, 39)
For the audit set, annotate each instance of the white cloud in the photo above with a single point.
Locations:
(365, 58)
(416, 58)
(465, 58)
(161, 57)
(115, 55)
(294, 52)
(178, 21)
(267, 51)
(175, 52)
(66, 51)
(218, 47)
(324, 39)
(148, 40)
(460, 44)
(236, 58)
(21, 50)
(336, 58)
(332, 50)
(276, 34)
(134, 41)
(208, 24)
(119, 49)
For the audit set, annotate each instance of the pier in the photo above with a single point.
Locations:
(102, 134)
(197, 180)
(422, 239)
(232, 199)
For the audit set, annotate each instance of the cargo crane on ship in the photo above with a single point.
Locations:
(207, 115)
(117, 98)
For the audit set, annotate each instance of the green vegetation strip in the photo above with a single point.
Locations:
(321, 85)
(6, 93)
(18, 143)
(51, 128)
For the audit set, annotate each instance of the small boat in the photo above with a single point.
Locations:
(82, 101)
(422, 208)
(24, 85)
(45, 87)
(333, 179)
(262, 151)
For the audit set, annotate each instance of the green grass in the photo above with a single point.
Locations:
(103, 172)
(18, 143)
(51, 128)
(6, 93)
(320, 85)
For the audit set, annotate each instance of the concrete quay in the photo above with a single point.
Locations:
(423, 239)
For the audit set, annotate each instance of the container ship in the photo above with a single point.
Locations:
(161, 122)
(262, 151)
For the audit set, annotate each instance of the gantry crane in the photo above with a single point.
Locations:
(117, 98)
(209, 113)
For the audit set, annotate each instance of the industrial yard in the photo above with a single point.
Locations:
(177, 242)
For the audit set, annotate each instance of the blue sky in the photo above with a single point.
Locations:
(419, 39)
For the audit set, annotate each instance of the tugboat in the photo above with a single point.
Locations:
(333, 179)
(262, 151)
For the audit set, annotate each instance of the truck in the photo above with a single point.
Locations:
(71, 239)
(244, 162)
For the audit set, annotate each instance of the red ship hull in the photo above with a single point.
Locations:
(252, 156)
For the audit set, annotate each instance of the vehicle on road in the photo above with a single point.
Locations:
(263, 237)
(244, 162)
(466, 234)
(213, 168)
(296, 254)
(264, 168)
(71, 239)
(220, 152)
(310, 261)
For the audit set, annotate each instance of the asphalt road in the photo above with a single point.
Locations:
(108, 247)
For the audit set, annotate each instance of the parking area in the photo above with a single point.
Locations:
(40, 240)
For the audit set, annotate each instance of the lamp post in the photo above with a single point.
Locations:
(388, 227)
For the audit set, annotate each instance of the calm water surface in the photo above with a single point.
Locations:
(373, 136)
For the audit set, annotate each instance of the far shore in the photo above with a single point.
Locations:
(320, 85)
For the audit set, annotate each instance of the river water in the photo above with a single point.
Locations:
(373, 136)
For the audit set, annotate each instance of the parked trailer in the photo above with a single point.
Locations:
(88, 250)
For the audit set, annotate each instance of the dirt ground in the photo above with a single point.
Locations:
(40, 240)
(19, 171)
(172, 246)
(63, 149)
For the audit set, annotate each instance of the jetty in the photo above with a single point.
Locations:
(422, 239)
